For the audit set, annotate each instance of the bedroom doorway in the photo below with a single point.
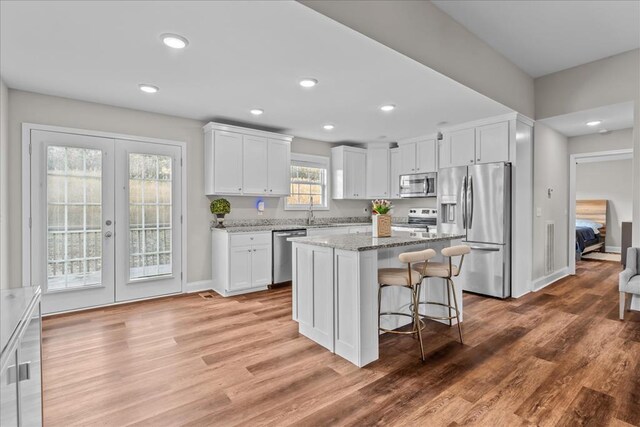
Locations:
(597, 204)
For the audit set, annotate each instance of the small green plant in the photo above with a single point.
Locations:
(381, 207)
(220, 207)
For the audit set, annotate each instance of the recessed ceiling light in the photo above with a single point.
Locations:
(594, 123)
(148, 88)
(174, 41)
(388, 107)
(256, 111)
(328, 127)
(308, 82)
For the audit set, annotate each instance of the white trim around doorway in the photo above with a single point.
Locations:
(574, 159)
(26, 188)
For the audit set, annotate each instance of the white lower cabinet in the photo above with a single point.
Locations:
(241, 262)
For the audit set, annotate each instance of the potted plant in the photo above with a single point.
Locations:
(381, 220)
(220, 207)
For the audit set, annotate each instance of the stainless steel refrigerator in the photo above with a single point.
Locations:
(476, 201)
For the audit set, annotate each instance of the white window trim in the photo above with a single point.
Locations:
(318, 160)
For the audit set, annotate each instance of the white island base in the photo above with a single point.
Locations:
(335, 293)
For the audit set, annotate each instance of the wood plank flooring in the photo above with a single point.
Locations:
(555, 357)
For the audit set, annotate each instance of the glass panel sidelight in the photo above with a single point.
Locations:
(150, 222)
(74, 217)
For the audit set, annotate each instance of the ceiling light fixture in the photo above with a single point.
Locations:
(148, 88)
(328, 127)
(174, 41)
(308, 82)
(256, 111)
(594, 123)
(388, 107)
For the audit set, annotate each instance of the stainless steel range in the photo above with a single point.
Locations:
(421, 220)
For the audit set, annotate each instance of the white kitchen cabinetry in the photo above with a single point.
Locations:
(457, 148)
(377, 171)
(394, 173)
(279, 167)
(254, 166)
(418, 156)
(241, 261)
(481, 144)
(492, 143)
(348, 170)
(242, 161)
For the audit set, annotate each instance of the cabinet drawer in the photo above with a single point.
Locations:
(248, 239)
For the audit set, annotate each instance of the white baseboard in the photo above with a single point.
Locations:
(613, 249)
(545, 281)
(199, 286)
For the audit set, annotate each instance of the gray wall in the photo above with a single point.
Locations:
(551, 170)
(608, 81)
(4, 188)
(421, 31)
(610, 180)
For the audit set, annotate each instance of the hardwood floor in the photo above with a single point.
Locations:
(555, 357)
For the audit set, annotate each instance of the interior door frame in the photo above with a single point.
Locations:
(574, 159)
(26, 187)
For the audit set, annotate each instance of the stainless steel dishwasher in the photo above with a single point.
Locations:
(281, 265)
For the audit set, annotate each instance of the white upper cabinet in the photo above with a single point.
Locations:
(481, 144)
(418, 156)
(254, 165)
(492, 143)
(426, 156)
(279, 169)
(457, 148)
(394, 173)
(377, 163)
(227, 156)
(348, 172)
(241, 161)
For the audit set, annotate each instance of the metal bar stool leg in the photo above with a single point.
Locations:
(449, 301)
(416, 318)
(455, 301)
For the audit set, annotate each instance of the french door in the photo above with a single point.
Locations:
(106, 219)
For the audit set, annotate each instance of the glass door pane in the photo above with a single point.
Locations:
(150, 219)
(149, 201)
(72, 209)
(74, 217)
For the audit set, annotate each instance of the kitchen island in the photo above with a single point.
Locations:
(335, 289)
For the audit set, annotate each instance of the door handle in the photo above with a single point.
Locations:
(478, 248)
(470, 196)
(108, 234)
(463, 197)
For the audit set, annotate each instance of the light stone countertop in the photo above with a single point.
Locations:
(365, 242)
(281, 227)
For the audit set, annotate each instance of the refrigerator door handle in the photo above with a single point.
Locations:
(463, 201)
(470, 202)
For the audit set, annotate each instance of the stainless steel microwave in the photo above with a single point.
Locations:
(418, 185)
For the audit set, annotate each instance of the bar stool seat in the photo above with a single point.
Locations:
(438, 269)
(398, 277)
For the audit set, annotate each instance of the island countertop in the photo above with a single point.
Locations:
(365, 242)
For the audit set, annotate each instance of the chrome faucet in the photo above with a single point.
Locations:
(310, 213)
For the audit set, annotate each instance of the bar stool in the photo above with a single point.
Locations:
(409, 278)
(445, 270)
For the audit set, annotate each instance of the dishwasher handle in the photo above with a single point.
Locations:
(291, 234)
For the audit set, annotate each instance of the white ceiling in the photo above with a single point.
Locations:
(241, 55)
(613, 117)
(543, 37)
